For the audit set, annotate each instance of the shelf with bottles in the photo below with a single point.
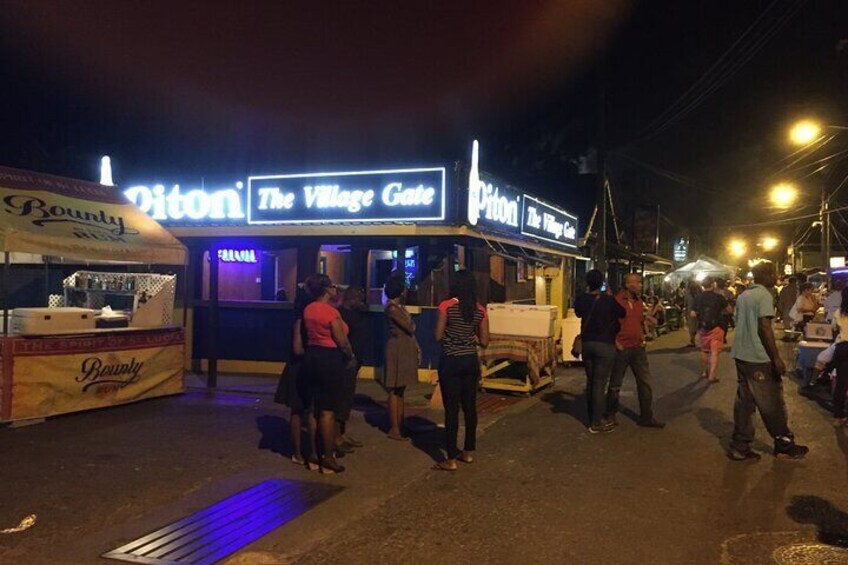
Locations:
(147, 297)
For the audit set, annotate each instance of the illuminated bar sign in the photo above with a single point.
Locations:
(402, 195)
(177, 205)
(491, 204)
(548, 223)
(501, 208)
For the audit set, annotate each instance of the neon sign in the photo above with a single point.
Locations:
(485, 200)
(237, 255)
(196, 204)
(401, 195)
(497, 208)
(546, 222)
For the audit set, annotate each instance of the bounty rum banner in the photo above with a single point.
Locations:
(49, 215)
(56, 376)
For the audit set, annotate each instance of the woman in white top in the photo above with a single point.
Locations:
(806, 304)
(840, 323)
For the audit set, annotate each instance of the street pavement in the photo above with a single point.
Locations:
(542, 489)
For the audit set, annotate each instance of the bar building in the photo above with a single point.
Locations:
(268, 232)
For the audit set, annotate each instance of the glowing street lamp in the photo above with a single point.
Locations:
(805, 132)
(769, 243)
(737, 247)
(783, 195)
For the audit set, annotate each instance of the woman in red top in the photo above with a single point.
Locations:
(327, 354)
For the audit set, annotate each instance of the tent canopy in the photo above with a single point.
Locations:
(51, 215)
(704, 267)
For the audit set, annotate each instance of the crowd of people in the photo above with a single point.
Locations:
(328, 342)
(328, 336)
(613, 335)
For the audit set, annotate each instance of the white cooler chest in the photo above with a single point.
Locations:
(522, 320)
(45, 321)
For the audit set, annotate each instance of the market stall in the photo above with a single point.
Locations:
(699, 270)
(107, 336)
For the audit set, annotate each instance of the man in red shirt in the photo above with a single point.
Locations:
(630, 352)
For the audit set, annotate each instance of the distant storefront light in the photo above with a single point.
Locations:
(681, 250)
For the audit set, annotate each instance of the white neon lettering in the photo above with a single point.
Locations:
(552, 226)
(394, 194)
(196, 204)
(159, 212)
(534, 220)
(484, 199)
(548, 223)
(271, 198)
(323, 196)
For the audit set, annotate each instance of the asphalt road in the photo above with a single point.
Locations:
(542, 490)
(545, 491)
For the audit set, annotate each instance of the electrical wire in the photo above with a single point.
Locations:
(771, 222)
(664, 173)
(838, 188)
(752, 40)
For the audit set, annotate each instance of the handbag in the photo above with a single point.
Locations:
(577, 344)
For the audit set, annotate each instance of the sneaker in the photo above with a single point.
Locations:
(353, 442)
(786, 448)
(740, 455)
(601, 428)
(651, 423)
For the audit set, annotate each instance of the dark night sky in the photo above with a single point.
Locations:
(204, 88)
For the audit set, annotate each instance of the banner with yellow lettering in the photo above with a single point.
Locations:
(52, 376)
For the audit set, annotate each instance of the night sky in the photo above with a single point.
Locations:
(183, 90)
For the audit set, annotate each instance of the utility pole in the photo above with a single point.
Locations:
(601, 165)
(825, 223)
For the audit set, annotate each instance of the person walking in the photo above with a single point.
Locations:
(403, 356)
(327, 355)
(711, 311)
(293, 389)
(786, 300)
(694, 289)
(631, 353)
(599, 315)
(352, 310)
(462, 326)
(759, 371)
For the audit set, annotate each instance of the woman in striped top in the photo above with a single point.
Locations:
(461, 328)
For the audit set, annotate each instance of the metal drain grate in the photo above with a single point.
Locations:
(211, 534)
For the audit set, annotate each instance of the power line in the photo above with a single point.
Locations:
(675, 177)
(734, 58)
(771, 222)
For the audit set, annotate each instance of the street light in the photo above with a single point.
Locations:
(805, 132)
(769, 243)
(783, 195)
(737, 247)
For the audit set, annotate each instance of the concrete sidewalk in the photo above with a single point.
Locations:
(100, 479)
